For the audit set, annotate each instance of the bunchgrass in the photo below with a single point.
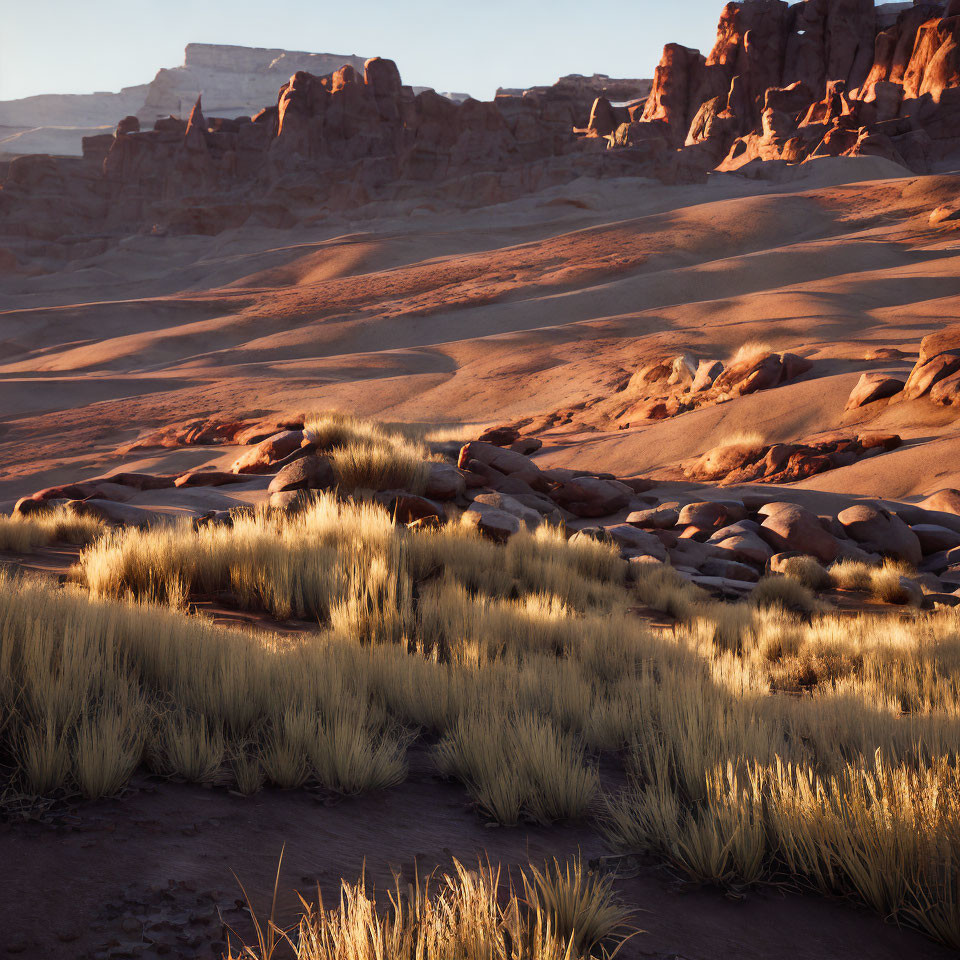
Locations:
(748, 742)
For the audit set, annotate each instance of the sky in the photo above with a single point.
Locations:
(66, 46)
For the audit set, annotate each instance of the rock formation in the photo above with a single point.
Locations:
(233, 81)
(335, 141)
(782, 85)
(582, 92)
(819, 78)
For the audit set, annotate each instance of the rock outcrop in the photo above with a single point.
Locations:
(818, 78)
(335, 141)
(234, 81)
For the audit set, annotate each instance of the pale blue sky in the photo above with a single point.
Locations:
(70, 46)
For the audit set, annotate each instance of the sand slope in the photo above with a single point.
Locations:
(538, 310)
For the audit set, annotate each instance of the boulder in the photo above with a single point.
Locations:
(547, 509)
(793, 366)
(880, 531)
(787, 526)
(501, 501)
(658, 518)
(497, 525)
(268, 452)
(140, 481)
(722, 587)
(444, 482)
(740, 528)
(711, 514)
(123, 514)
(630, 538)
(209, 478)
(499, 458)
(939, 357)
(951, 575)
(750, 374)
(934, 538)
(290, 501)
(406, 508)
(746, 548)
(591, 496)
(729, 570)
(707, 515)
(692, 553)
(307, 473)
(872, 387)
(946, 392)
(66, 491)
(707, 372)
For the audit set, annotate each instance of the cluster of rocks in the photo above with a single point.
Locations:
(675, 384)
(935, 375)
(725, 546)
(816, 78)
(495, 486)
(747, 462)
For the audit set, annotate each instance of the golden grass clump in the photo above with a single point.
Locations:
(851, 575)
(560, 913)
(751, 351)
(884, 582)
(808, 571)
(519, 765)
(20, 533)
(369, 456)
(785, 592)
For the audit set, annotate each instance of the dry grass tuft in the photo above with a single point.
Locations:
(852, 575)
(751, 351)
(808, 571)
(883, 582)
(369, 456)
(785, 592)
(20, 533)
(468, 916)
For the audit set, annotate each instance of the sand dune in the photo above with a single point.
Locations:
(514, 312)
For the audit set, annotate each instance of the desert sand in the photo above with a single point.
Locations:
(538, 311)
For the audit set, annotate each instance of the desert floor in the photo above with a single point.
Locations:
(537, 311)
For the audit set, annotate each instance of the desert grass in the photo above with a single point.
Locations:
(808, 571)
(22, 533)
(755, 744)
(751, 351)
(786, 592)
(882, 581)
(367, 455)
(341, 560)
(559, 913)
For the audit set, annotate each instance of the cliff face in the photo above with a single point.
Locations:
(819, 78)
(335, 142)
(233, 81)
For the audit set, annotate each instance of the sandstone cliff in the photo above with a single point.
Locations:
(329, 142)
(818, 78)
(233, 81)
